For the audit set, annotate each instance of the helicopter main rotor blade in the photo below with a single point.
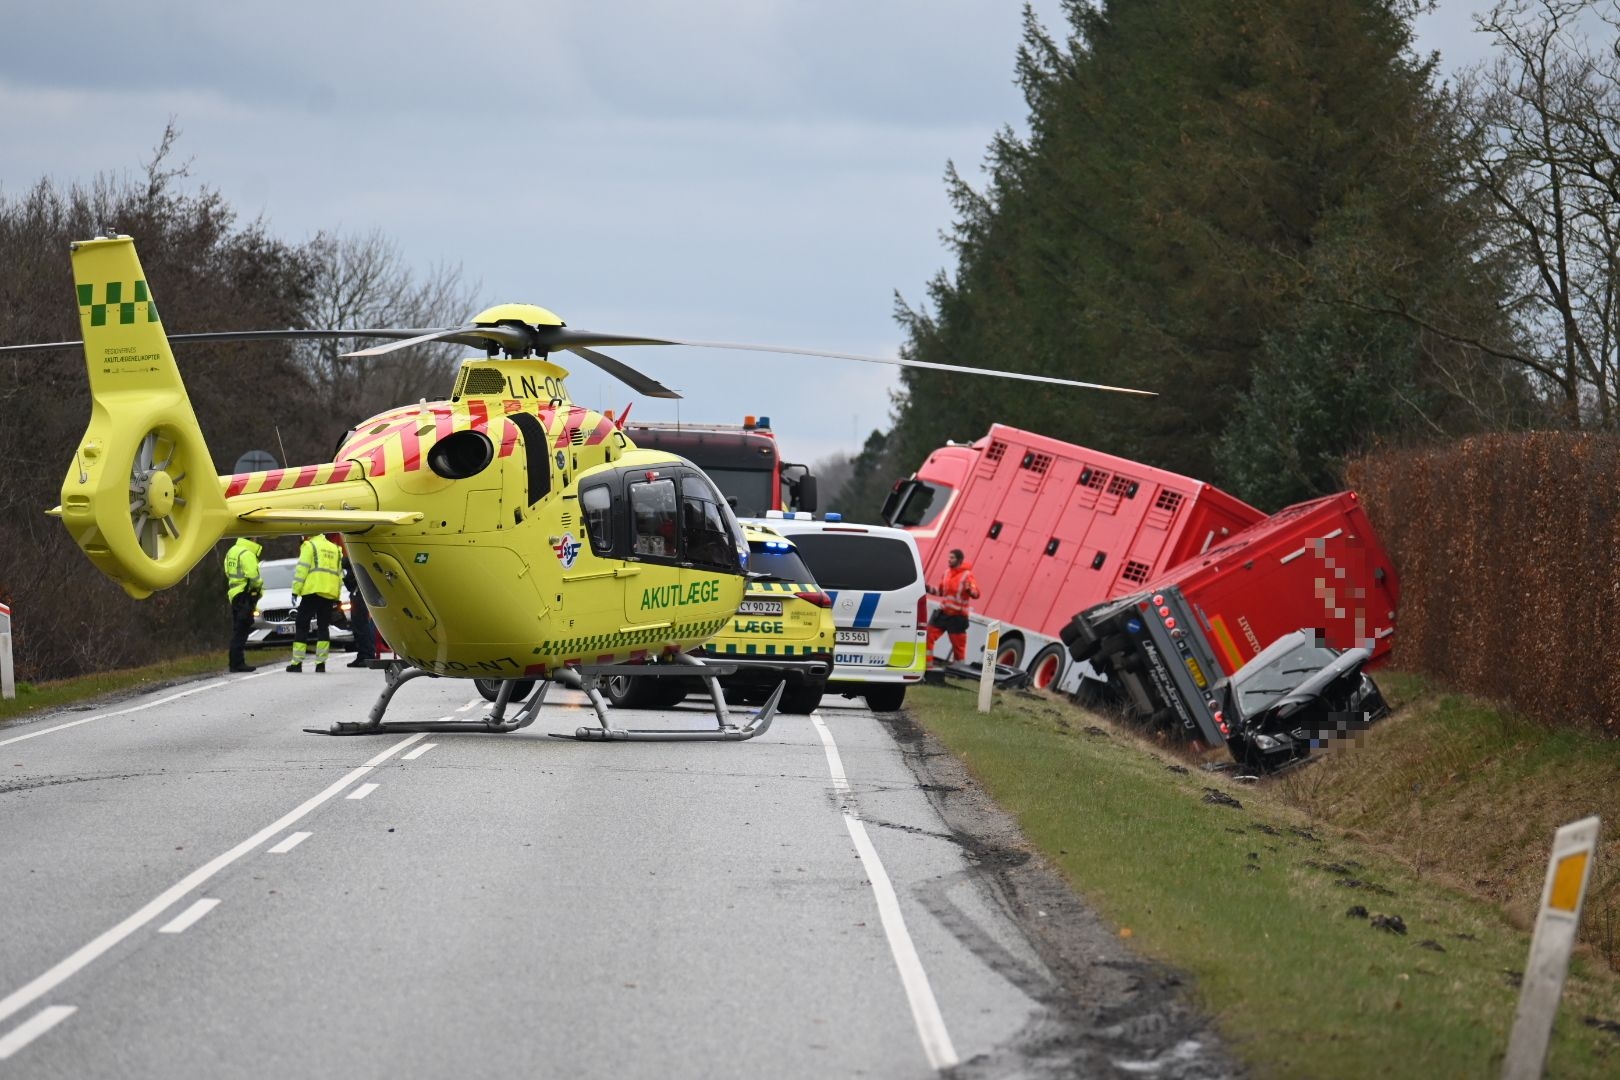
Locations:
(644, 384)
(893, 361)
(460, 335)
(544, 339)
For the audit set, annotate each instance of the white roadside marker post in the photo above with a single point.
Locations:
(8, 679)
(1561, 896)
(987, 667)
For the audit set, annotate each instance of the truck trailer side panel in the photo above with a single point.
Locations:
(1051, 528)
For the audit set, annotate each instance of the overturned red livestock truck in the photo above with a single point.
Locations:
(1167, 649)
(1051, 528)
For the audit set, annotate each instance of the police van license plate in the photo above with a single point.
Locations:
(853, 637)
(760, 607)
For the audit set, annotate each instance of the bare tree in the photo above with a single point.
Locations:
(1548, 116)
(363, 282)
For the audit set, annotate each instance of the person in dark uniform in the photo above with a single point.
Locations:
(365, 645)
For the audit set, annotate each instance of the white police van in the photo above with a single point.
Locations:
(875, 578)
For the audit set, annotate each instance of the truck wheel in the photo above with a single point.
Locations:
(1010, 652)
(1046, 670)
(885, 697)
(490, 688)
(1113, 643)
(801, 700)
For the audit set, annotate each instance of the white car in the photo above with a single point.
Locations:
(875, 578)
(273, 619)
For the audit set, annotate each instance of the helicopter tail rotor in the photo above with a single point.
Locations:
(141, 497)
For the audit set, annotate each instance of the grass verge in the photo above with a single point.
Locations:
(32, 697)
(1252, 899)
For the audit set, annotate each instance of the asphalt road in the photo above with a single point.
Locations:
(191, 886)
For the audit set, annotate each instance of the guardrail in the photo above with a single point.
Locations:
(8, 681)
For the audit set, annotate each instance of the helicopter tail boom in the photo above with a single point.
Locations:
(141, 497)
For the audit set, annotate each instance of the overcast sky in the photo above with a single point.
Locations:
(735, 170)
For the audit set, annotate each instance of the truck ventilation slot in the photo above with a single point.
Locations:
(995, 530)
(1135, 572)
(1168, 501)
(1036, 463)
(1098, 560)
(996, 452)
(1119, 485)
(1093, 479)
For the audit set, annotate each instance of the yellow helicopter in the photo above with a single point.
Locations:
(506, 534)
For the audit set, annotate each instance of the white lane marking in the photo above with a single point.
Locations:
(25, 996)
(35, 1026)
(124, 712)
(925, 1014)
(288, 844)
(182, 922)
(362, 791)
(419, 751)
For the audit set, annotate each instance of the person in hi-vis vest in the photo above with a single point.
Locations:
(317, 583)
(956, 593)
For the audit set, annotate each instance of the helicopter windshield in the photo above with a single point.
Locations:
(676, 518)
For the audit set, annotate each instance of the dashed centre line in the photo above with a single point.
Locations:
(419, 751)
(182, 922)
(34, 1027)
(291, 842)
(362, 791)
(87, 954)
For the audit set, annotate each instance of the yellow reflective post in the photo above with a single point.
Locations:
(1561, 896)
(987, 666)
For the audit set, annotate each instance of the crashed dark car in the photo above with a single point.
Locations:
(1296, 695)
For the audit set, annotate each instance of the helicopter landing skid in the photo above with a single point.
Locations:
(723, 731)
(399, 674)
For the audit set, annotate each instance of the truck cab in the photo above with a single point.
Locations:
(742, 460)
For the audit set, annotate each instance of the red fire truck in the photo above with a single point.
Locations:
(1165, 648)
(1050, 529)
(743, 461)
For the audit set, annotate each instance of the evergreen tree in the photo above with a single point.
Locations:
(1233, 203)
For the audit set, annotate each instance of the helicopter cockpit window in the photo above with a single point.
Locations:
(597, 503)
(653, 519)
(708, 538)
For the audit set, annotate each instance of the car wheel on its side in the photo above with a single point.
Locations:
(885, 697)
